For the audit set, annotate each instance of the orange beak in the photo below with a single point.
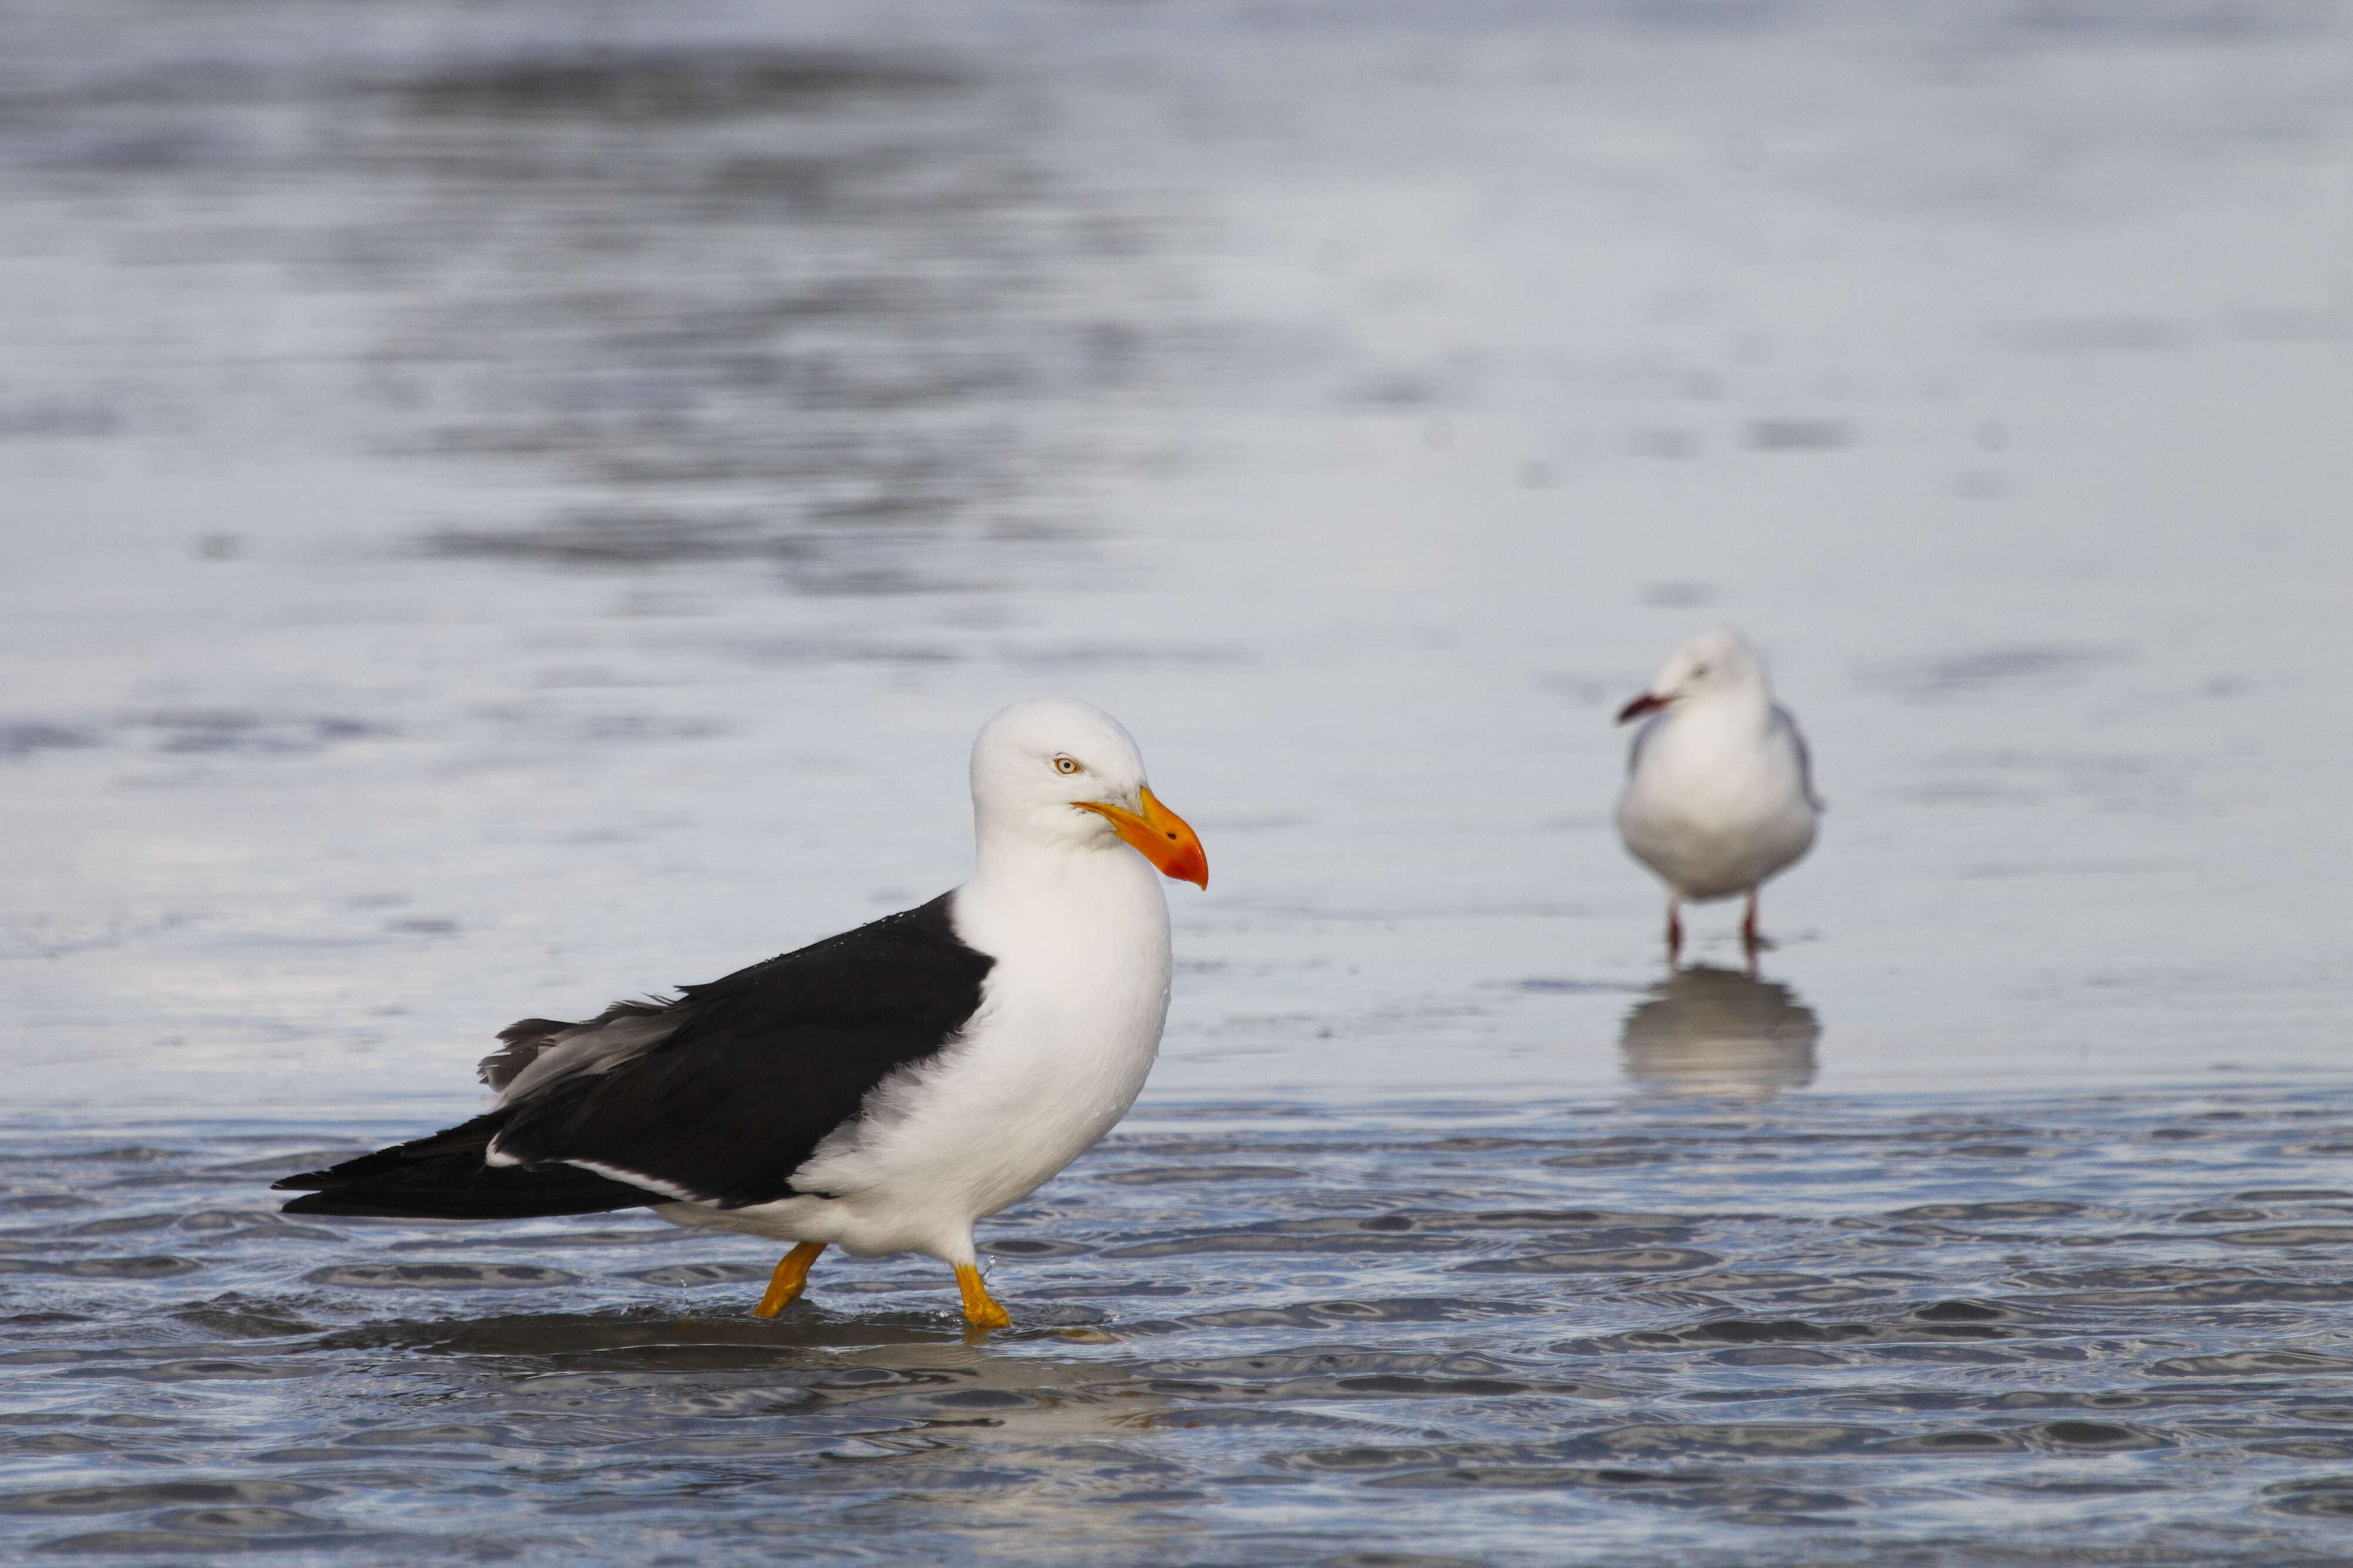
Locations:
(1160, 835)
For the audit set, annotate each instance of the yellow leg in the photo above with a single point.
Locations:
(791, 1277)
(980, 1309)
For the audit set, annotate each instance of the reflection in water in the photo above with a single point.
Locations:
(1715, 1033)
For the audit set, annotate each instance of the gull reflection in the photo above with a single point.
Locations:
(1708, 1033)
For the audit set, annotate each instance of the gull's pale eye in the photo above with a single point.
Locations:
(1068, 766)
(1699, 672)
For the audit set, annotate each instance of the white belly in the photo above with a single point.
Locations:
(1717, 806)
(1707, 857)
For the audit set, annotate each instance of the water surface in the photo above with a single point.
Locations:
(1456, 1332)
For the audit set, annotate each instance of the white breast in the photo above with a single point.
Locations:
(1717, 801)
(1069, 1024)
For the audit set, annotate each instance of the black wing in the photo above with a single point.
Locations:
(726, 1102)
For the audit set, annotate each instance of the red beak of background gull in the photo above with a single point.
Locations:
(1645, 703)
(1160, 835)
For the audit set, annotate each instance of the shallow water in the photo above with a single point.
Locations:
(512, 506)
(1454, 1331)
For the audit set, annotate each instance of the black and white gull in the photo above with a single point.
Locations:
(879, 1091)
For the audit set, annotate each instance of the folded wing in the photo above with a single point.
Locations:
(716, 1096)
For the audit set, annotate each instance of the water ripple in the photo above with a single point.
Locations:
(1405, 1310)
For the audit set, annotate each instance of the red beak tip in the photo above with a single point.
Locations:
(1645, 703)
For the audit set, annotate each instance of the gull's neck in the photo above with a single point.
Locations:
(1750, 704)
(1054, 878)
(1029, 894)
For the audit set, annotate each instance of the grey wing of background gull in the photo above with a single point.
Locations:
(1642, 738)
(1786, 723)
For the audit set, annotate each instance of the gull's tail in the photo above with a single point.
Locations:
(445, 1176)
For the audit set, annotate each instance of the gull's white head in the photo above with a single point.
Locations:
(1711, 665)
(1057, 772)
